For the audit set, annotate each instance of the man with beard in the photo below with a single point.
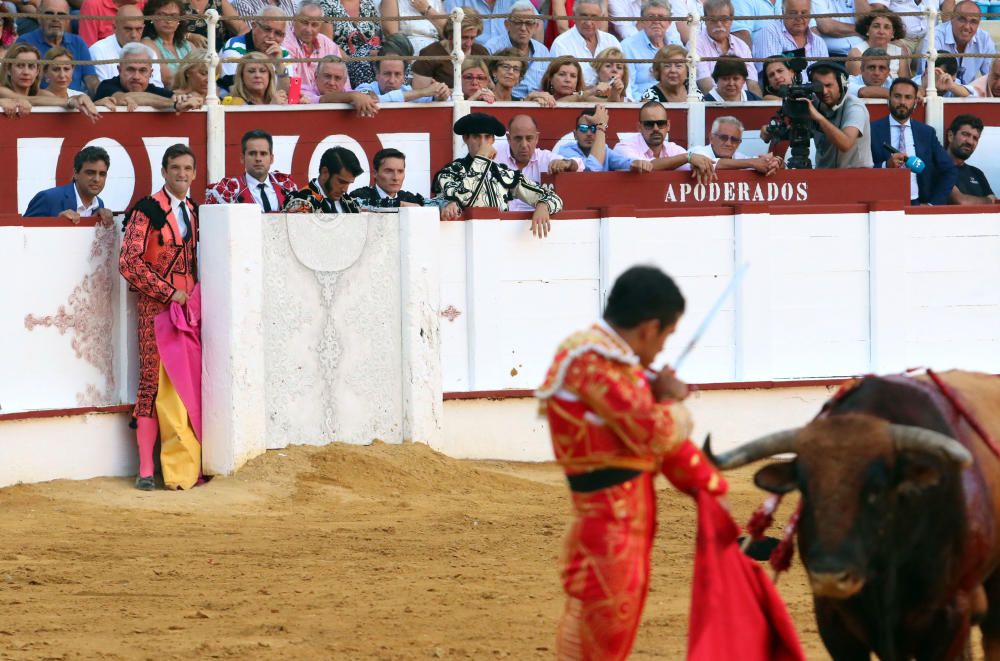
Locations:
(841, 127)
(387, 193)
(971, 185)
(257, 185)
(651, 144)
(80, 197)
(908, 136)
(327, 193)
(476, 181)
(521, 153)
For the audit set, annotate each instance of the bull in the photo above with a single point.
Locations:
(900, 506)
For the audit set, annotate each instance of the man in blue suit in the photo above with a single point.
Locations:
(79, 198)
(908, 137)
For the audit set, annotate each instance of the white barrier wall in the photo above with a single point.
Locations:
(825, 295)
(323, 328)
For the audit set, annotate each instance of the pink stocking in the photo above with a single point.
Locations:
(147, 429)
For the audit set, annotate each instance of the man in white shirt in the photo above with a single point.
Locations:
(722, 148)
(715, 41)
(584, 40)
(521, 152)
(258, 185)
(79, 198)
(963, 36)
(110, 47)
(875, 78)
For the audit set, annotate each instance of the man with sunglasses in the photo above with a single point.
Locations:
(520, 29)
(266, 37)
(591, 148)
(651, 144)
(54, 31)
(723, 143)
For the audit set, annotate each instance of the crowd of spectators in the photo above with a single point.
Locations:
(506, 49)
(161, 62)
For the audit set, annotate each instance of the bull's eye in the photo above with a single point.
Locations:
(872, 498)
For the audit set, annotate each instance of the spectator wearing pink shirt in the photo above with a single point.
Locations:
(306, 40)
(716, 40)
(521, 152)
(651, 144)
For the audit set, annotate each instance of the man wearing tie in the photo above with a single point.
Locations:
(159, 261)
(258, 185)
(910, 137)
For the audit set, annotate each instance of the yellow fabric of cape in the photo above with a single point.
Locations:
(180, 451)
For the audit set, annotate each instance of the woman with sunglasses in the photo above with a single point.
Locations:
(20, 82)
(670, 68)
(507, 70)
(166, 36)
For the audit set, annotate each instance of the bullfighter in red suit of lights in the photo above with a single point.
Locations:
(257, 185)
(159, 261)
(613, 426)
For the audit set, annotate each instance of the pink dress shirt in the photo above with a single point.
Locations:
(633, 146)
(536, 167)
(324, 47)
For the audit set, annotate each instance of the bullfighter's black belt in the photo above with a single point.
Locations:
(600, 479)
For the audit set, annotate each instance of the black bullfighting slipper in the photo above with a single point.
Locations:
(145, 483)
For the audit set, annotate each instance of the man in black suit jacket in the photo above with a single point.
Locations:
(908, 136)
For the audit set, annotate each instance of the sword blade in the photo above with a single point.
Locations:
(707, 321)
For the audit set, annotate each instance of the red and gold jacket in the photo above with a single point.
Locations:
(154, 259)
(602, 414)
(234, 190)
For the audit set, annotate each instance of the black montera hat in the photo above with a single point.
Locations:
(479, 122)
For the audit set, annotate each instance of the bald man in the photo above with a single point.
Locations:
(110, 47)
(521, 152)
(93, 31)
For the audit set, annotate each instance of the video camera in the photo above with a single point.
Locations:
(792, 122)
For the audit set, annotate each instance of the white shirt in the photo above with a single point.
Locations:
(916, 26)
(175, 207)
(382, 194)
(272, 197)
(911, 149)
(572, 43)
(706, 150)
(856, 83)
(535, 168)
(109, 49)
(81, 208)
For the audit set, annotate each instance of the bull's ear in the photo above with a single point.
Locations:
(916, 472)
(780, 477)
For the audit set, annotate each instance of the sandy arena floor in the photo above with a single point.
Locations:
(381, 552)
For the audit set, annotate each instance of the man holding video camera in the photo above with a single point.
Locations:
(839, 122)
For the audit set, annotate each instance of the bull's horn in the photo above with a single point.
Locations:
(919, 439)
(761, 448)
